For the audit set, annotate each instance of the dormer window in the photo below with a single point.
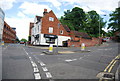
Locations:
(51, 19)
(61, 31)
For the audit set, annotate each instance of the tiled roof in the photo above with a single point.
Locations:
(38, 18)
(117, 33)
(31, 24)
(66, 28)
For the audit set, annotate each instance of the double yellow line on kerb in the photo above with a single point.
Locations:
(112, 63)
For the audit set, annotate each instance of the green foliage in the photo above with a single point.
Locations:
(29, 38)
(109, 34)
(74, 19)
(94, 21)
(80, 21)
(115, 20)
(23, 40)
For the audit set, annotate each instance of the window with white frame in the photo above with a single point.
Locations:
(50, 29)
(38, 28)
(51, 19)
(61, 31)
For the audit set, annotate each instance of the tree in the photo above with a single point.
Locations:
(115, 20)
(80, 21)
(29, 38)
(74, 19)
(94, 21)
(23, 40)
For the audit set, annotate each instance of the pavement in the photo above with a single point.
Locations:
(29, 62)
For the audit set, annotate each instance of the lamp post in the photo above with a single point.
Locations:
(99, 29)
(2, 15)
(57, 35)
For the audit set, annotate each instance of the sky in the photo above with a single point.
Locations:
(19, 13)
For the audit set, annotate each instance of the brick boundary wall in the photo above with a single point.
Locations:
(88, 42)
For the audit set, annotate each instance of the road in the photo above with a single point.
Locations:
(24, 62)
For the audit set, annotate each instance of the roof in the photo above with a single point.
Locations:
(81, 34)
(66, 28)
(31, 25)
(117, 33)
(38, 18)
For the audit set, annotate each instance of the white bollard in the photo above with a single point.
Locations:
(82, 46)
(50, 48)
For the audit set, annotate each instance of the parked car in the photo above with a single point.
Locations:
(105, 39)
(22, 42)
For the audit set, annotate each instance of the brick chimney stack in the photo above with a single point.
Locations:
(45, 11)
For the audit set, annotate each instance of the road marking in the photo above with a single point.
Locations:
(25, 51)
(48, 75)
(74, 59)
(30, 58)
(37, 75)
(4, 48)
(36, 70)
(36, 57)
(106, 49)
(70, 60)
(34, 64)
(110, 63)
(112, 66)
(31, 62)
(42, 64)
(42, 54)
(80, 57)
(44, 68)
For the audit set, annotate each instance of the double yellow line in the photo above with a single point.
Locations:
(112, 63)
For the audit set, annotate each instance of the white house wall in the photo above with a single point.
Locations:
(60, 40)
(42, 40)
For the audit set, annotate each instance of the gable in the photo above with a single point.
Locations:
(47, 22)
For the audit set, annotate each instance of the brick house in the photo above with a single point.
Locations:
(9, 34)
(48, 30)
(31, 26)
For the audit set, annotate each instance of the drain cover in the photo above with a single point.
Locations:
(105, 76)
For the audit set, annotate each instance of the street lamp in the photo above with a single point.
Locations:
(99, 29)
(57, 35)
(2, 15)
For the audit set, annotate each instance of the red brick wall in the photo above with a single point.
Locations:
(46, 24)
(9, 35)
(30, 28)
(88, 42)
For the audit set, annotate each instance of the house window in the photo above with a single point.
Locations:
(38, 27)
(50, 40)
(51, 19)
(50, 29)
(61, 31)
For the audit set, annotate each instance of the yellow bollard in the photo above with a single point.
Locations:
(82, 46)
(2, 43)
(50, 48)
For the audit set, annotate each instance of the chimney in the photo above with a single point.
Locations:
(45, 11)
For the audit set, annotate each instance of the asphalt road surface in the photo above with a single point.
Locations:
(24, 62)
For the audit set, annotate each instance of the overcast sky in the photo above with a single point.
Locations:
(19, 13)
